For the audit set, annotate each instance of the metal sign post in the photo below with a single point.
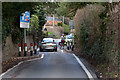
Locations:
(24, 23)
(71, 24)
(25, 35)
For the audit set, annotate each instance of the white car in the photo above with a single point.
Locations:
(48, 44)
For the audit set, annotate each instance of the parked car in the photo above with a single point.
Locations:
(48, 44)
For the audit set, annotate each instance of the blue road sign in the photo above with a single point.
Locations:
(71, 23)
(25, 20)
(25, 17)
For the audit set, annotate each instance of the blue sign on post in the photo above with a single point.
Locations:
(25, 19)
(71, 23)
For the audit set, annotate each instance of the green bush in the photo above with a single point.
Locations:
(59, 24)
(66, 28)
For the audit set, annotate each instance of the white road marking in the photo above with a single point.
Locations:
(62, 51)
(18, 65)
(10, 69)
(28, 50)
(42, 56)
(38, 49)
(84, 68)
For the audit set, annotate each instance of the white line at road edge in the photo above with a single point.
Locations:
(19, 64)
(10, 69)
(84, 68)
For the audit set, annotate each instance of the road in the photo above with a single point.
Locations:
(53, 65)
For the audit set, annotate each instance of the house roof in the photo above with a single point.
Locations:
(51, 19)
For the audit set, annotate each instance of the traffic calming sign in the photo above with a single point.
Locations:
(24, 20)
(24, 25)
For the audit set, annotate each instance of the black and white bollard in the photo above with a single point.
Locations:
(31, 52)
(72, 47)
(35, 48)
(19, 49)
(68, 47)
(25, 52)
(70, 44)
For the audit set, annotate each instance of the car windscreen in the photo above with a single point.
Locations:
(48, 40)
(68, 37)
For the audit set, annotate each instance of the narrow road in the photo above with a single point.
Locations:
(53, 65)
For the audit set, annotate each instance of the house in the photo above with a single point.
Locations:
(50, 21)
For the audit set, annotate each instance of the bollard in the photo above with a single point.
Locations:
(68, 45)
(25, 52)
(19, 49)
(73, 48)
(31, 52)
(35, 48)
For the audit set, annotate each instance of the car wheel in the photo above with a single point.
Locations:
(68, 47)
(41, 50)
(55, 50)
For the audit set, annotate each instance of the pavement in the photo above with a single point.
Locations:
(58, 64)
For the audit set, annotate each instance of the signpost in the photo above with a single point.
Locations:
(71, 24)
(24, 23)
(25, 20)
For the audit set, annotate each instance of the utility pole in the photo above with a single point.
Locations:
(53, 22)
(71, 24)
(63, 19)
(118, 31)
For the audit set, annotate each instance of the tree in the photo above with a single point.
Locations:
(50, 8)
(33, 26)
(69, 9)
(11, 19)
(40, 13)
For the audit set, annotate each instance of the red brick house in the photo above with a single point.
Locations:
(50, 21)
